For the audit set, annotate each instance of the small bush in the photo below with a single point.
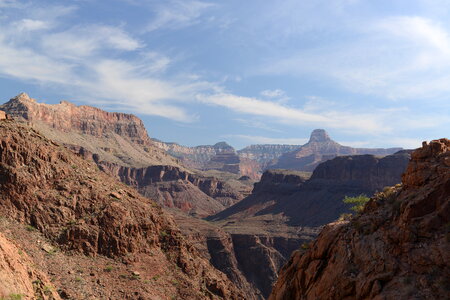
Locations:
(359, 202)
(108, 269)
(30, 228)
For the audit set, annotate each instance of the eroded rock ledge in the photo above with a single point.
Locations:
(399, 248)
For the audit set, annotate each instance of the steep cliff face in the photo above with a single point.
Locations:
(119, 144)
(318, 200)
(114, 137)
(265, 154)
(321, 148)
(173, 187)
(398, 248)
(221, 157)
(251, 254)
(66, 116)
(84, 211)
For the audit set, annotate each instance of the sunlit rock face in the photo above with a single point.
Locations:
(398, 248)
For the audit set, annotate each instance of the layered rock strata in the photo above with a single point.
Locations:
(398, 248)
(319, 149)
(84, 211)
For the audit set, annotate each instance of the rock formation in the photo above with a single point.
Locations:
(19, 277)
(398, 248)
(114, 137)
(84, 212)
(221, 157)
(119, 144)
(265, 154)
(318, 201)
(287, 210)
(320, 148)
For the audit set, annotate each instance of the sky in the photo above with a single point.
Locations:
(371, 73)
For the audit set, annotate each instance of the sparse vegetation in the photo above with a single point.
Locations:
(47, 290)
(13, 297)
(359, 202)
(30, 228)
(108, 269)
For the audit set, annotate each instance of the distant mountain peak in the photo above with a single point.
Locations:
(23, 97)
(319, 136)
(222, 145)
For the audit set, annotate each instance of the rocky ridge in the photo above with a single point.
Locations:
(287, 209)
(220, 156)
(319, 149)
(318, 200)
(82, 210)
(398, 248)
(120, 145)
(265, 154)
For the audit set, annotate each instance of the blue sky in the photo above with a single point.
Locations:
(372, 73)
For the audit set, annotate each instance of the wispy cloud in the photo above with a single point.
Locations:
(75, 61)
(278, 112)
(88, 40)
(176, 14)
(396, 57)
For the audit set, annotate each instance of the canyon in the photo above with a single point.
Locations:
(320, 148)
(94, 236)
(250, 231)
(397, 248)
(120, 145)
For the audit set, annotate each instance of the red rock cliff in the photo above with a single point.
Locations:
(399, 248)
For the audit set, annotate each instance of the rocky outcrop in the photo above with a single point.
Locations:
(221, 157)
(225, 159)
(398, 248)
(68, 117)
(265, 154)
(249, 256)
(319, 149)
(120, 146)
(83, 210)
(367, 171)
(19, 279)
(318, 200)
(114, 137)
(173, 187)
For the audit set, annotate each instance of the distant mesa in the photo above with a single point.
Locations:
(320, 148)
(319, 136)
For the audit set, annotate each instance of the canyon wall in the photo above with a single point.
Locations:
(398, 248)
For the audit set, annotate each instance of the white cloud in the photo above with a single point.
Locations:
(31, 25)
(88, 40)
(178, 14)
(273, 93)
(9, 3)
(395, 57)
(121, 83)
(26, 64)
(363, 122)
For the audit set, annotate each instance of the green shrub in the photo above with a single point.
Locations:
(108, 269)
(30, 228)
(359, 202)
